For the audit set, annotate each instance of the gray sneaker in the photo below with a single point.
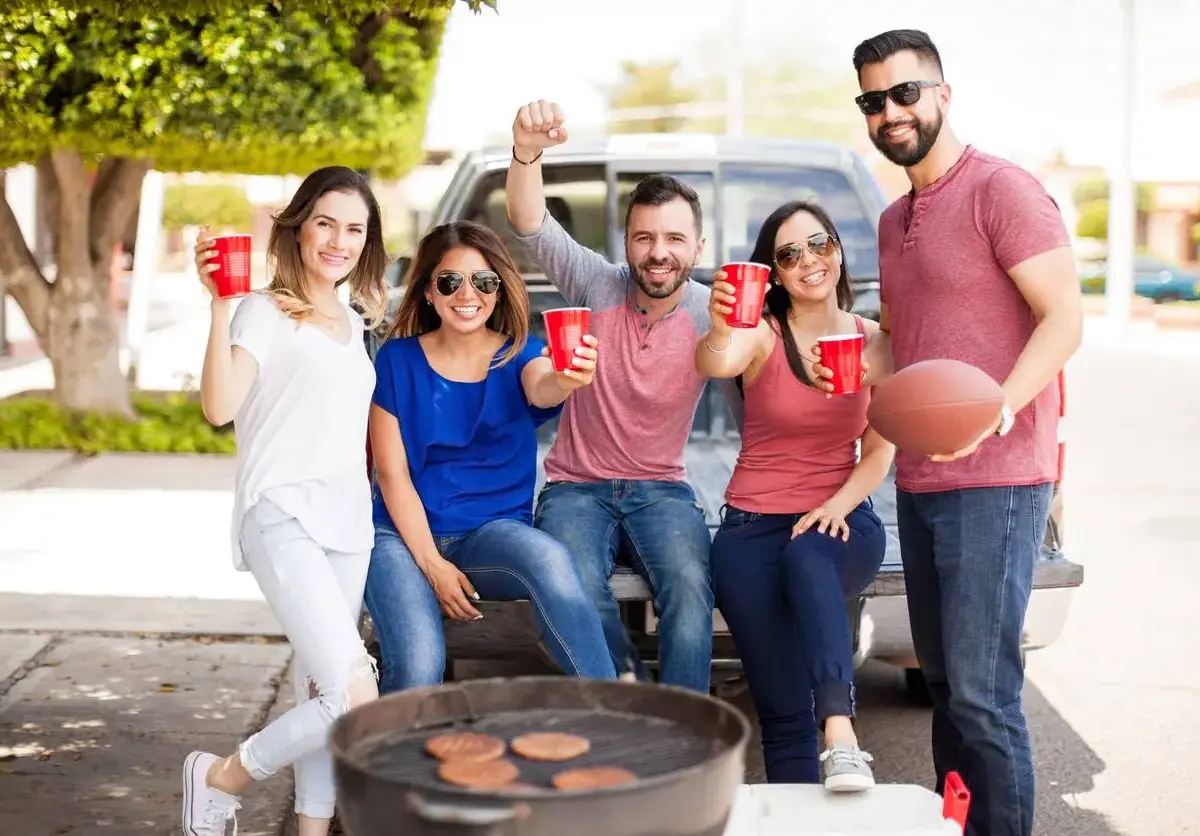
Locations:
(846, 768)
(206, 812)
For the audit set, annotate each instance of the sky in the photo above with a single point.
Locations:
(1038, 76)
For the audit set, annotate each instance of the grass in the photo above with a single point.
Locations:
(167, 422)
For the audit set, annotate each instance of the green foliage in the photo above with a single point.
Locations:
(171, 423)
(1093, 220)
(783, 96)
(245, 88)
(1090, 191)
(649, 86)
(198, 8)
(223, 206)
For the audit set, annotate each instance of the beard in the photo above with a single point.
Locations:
(660, 291)
(910, 152)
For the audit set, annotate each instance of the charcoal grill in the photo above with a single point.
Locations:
(687, 749)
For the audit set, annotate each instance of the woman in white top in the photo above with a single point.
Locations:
(292, 373)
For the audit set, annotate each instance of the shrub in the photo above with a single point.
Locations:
(171, 422)
(223, 206)
(1093, 220)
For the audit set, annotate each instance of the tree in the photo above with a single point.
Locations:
(1089, 191)
(221, 205)
(783, 97)
(1091, 200)
(1093, 220)
(654, 86)
(95, 93)
(133, 9)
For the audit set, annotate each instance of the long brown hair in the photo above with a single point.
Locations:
(510, 317)
(288, 286)
(777, 301)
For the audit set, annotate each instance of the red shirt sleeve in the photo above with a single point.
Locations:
(1019, 217)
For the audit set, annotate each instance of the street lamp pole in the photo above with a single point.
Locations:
(1122, 207)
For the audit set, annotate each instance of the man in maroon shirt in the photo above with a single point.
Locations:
(975, 265)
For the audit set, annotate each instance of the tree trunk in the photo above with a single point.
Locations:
(83, 343)
(73, 316)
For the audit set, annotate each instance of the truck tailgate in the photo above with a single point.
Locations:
(710, 464)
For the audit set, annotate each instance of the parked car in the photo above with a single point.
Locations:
(1154, 278)
(739, 182)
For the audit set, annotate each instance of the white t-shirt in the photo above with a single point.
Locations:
(302, 430)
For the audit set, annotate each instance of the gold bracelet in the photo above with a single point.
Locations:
(708, 345)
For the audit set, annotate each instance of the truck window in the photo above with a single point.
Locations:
(701, 182)
(749, 193)
(575, 196)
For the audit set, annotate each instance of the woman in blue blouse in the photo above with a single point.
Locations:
(461, 389)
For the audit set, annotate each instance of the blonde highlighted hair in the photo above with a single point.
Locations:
(510, 317)
(288, 285)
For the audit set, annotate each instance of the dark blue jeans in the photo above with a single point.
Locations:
(969, 557)
(784, 600)
(658, 528)
(506, 560)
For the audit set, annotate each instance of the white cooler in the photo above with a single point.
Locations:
(808, 810)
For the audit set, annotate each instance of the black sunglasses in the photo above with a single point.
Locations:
(904, 94)
(485, 281)
(822, 244)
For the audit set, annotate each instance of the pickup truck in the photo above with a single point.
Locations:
(739, 181)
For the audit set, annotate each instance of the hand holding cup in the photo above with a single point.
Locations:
(223, 264)
(205, 264)
(720, 303)
(825, 375)
(583, 365)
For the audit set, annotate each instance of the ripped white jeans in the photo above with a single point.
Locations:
(317, 596)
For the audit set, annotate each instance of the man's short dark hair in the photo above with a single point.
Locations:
(658, 189)
(878, 49)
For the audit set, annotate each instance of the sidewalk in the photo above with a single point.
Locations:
(126, 640)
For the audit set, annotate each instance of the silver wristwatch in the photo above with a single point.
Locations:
(1007, 419)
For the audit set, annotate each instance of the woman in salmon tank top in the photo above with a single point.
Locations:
(798, 532)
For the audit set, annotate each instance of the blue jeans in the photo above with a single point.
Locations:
(658, 529)
(969, 557)
(784, 600)
(506, 560)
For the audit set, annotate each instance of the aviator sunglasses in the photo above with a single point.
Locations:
(822, 244)
(485, 281)
(904, 94)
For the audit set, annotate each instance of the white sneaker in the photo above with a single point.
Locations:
(206, 811)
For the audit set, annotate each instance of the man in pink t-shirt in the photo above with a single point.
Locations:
(975, 265)
(616, 486)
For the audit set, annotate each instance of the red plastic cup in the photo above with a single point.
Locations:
(565, 328)
(843, 354)
(749, 282)
(956, 800)
(232, 276)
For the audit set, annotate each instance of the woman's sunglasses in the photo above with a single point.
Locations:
(485, 281)
(822, 244)
(905, 93)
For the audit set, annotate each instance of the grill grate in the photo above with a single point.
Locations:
(646, 746)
